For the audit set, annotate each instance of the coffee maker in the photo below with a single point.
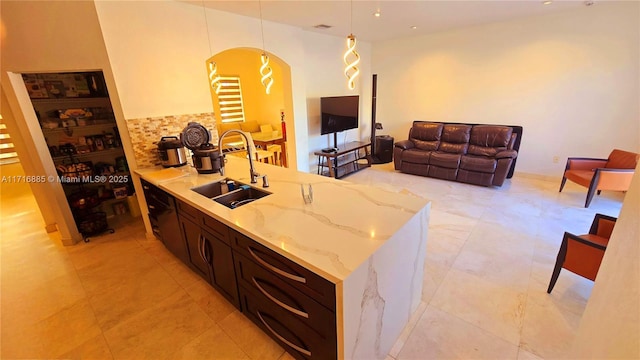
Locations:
(206, 157)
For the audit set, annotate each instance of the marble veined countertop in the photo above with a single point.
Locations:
(344, 225)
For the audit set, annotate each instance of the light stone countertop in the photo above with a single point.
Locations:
(344, 226)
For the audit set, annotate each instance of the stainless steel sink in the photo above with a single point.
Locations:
(244, 195)
(213, 189)
(238, 195)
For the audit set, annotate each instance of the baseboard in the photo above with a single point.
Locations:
(51, 228)
(68, 241)
(538, 176)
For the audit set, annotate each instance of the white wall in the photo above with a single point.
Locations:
(158, 48)
(571, 79)
(157, 51)
(324, 71)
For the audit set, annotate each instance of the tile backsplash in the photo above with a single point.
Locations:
(146, 132)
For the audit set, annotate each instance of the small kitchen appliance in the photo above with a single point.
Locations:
(172, 153)
(206, 157)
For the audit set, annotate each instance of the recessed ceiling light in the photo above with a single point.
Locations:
(377, 13)
(413, 27)
(548, 2)
(323, 26)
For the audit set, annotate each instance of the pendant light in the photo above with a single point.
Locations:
(265, 69)
(351, 57)
(214, 77)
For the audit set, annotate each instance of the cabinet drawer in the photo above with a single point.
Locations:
(208, 223)
(298, 339)
(216, 228)
(188, 211)
(293, 274)
(274, 291)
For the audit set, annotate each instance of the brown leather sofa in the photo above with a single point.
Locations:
(475, 154)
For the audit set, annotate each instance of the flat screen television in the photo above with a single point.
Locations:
(339, 113)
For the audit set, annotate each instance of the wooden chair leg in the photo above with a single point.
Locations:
(562, 254)
(590, 194)
(564, 181)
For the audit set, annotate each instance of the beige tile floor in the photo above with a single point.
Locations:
(490, 253)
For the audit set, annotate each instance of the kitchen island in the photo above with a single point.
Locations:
(352, 259)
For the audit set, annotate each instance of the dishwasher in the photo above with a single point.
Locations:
(163, 218)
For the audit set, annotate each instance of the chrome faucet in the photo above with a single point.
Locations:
(253, 175)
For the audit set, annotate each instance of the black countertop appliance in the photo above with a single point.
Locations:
(206, 157)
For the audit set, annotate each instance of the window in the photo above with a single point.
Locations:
(230, 100)
(7, 152)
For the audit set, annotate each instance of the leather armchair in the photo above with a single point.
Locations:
(582, 254)
(611, 174)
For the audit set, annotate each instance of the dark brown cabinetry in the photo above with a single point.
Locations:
(290, 303)
(210, 255)
(288, 271)
(164, 220)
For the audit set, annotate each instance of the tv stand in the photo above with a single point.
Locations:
(352, 157)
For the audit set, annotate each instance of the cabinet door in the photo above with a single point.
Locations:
(196, 244)
(223, 275)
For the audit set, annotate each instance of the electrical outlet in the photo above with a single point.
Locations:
(556, 159)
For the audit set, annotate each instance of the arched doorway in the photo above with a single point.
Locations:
(243, 65)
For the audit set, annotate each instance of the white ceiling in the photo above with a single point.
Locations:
(397, 16)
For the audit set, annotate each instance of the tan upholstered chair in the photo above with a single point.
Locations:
(582, 254)
(276, 150)
(613, 173)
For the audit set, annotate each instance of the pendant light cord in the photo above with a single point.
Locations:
(206, 22)
(261, 25)
(351, 16)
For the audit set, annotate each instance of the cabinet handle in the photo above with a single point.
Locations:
(201, 248)
(151, 207)
(297, 278)
(278, 302)
(145, 187)
(206, 250)
(289, 343)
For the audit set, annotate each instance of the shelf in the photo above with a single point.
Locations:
(102, 124)
(72, 100)
(354, 156)
(118, 150)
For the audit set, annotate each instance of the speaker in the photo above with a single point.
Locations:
(384, 149)
(374, 90)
